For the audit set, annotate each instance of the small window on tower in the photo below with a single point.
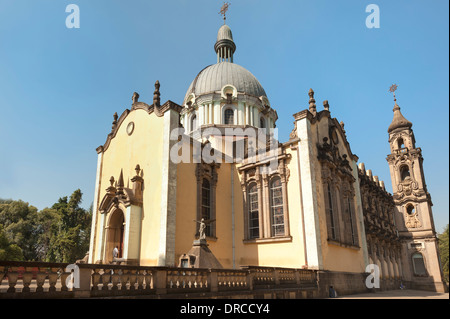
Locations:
(410, 210)
(404, 172)
(400, 143)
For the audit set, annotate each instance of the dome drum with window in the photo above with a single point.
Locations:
(225, 93)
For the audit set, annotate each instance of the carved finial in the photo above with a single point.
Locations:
(312, 102)
(137, 184)
(137, 169)
(342, 125)
(111, 181)
(326, 106)
(120, 183)
(114, 123)
(135, 97)
(156, 95)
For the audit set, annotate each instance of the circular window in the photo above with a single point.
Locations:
(130, 128)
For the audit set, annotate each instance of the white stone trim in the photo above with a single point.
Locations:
(166, 256)
(94, 210)
(308, 184)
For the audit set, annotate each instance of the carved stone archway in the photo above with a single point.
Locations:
(115, 234)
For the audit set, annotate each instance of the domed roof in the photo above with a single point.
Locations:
(224, 33)
(214, 77)
(399, 121)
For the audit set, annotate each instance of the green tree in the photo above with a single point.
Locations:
(57, 234)
(8, 250)
(443, 250)
(19, 224)
(67, 236)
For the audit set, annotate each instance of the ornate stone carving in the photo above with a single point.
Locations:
(412, 221)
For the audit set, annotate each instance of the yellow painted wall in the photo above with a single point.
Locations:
(281, 254)
(143, 147)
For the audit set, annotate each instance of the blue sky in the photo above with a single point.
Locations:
(59, 87)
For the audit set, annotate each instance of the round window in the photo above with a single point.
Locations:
(130, 128)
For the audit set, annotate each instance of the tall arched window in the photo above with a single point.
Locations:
(253, 212)
(206, 204)
(193, 122)
(419, 264)
(229, 116)
(331, 212)
(262, 123)
(352, 225)
(277, 213)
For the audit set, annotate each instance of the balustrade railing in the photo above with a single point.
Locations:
(36, 279)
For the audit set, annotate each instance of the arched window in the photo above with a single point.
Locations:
(410, 209)
(206, 204)
(404, 172)
(352, 225)
(229, 116)
(193, 122)
(419, 264)
(331, 211)
(400, 143)
(262, 122)
(277, 213)
(115, 234)
(253, 212)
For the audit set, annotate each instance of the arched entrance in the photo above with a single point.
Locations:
(115, 234)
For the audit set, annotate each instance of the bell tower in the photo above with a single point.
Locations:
(413, 217)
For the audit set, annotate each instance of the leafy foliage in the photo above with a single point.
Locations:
(57, 234)
(443, 250)
(8, 251)
(19, 223)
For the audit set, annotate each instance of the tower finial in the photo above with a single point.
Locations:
(312, 102)
(392, 89)
(224, 10)
(156, 95)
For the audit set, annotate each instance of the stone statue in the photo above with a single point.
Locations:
(202, 227)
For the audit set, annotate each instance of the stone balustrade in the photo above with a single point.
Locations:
(62, 280)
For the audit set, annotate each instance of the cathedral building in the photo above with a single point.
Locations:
(210, 171)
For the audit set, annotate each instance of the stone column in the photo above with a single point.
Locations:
(267, 219)
(261, 208)
(285, 200)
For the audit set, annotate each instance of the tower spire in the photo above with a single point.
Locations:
(224, 46)
(399, 121)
